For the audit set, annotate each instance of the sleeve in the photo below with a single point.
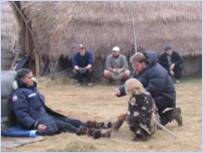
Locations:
(122, 91)
(108, 62)
(90, 58)
(125, 62)
(163, 61)
(20, 107)
(74, 59)
(178, 60)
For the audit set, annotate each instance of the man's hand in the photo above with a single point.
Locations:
(89, 66)
(115, 71)
(172, 69)
(77, 67)
(41, 128)
(172, 66)
(121, 70)
(117, 92)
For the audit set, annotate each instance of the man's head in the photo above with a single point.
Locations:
(134, 87)
(138, 61)
(116, 51)
(81, 49)
(25, 76)
(168, 49)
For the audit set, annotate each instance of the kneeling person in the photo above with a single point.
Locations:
(142, 113)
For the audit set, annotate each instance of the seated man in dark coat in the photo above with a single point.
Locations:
(82, 62)
(29, 108)
(172, 62)
(158, 83)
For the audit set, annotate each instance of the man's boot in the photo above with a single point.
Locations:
(82, 130)
(98, 125)
(119, 121)
(170, 114)
(177, 116)
(97, 133)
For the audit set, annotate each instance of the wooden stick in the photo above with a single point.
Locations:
(165, 129)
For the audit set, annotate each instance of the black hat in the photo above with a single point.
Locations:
(167, 47)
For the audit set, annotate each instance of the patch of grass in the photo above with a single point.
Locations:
(74, 146)
(193, 79)
(99, 103)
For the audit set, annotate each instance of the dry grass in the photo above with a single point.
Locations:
(99, 103)
(61, 26)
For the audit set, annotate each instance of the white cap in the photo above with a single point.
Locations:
(81, 46)
(116, 49)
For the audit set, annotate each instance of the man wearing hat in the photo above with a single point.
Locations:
(83, 65)
(172, 62)
(116, 66)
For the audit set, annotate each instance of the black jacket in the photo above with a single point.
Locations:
(175, 58)
(155, 80)
(29, 108)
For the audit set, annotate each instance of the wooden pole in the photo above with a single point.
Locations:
(133, 25)
(36, 53)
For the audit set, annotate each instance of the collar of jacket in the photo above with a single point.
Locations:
(148, 66)
(33, 87)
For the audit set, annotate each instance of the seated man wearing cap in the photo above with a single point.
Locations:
(82, 63)
(116, 66)
(172, 62)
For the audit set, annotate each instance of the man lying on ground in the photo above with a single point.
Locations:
(29, 108)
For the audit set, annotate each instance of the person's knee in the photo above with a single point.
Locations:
(107, 74)
(126, 74)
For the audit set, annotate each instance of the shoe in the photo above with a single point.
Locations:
(91, 124)
(177, 81)
(140, 138)
(101, 133)
(118, 122)
(104, 125)
(79, 84)
(106, 133)
(177, 116)
(89, 84)
(98, 125)
(82, 130)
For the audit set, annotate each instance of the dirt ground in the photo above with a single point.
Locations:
(98, 103)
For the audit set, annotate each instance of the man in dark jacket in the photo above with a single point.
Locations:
(29, 108)
(158, 83)
(82, 62)
(172, 62)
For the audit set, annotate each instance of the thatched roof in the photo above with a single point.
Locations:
(10, 29)
(60, 26)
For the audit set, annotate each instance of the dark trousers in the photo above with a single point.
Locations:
(81, 77)
(162, 103)
(178, 71)
(67, 124)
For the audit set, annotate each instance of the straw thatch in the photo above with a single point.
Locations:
(60, 26)
(52, 29)
(10, 29)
